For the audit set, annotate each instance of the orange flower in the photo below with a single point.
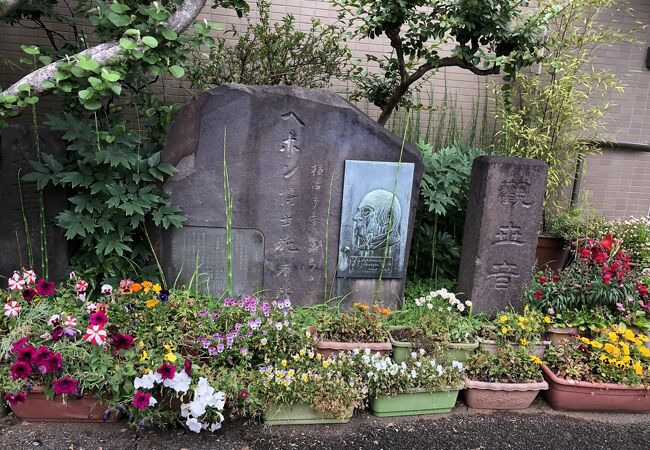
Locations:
(147, 286)
(363, 307)
(136, 287)
(385, 311)
(102, 307)
(151, 303)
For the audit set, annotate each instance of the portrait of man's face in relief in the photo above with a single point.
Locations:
(377, 223)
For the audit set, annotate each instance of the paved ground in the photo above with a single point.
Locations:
(535, 428)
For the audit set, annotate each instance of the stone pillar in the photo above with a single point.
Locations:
(504, 212)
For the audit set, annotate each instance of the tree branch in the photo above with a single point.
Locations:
(107, 53)
(8, 6)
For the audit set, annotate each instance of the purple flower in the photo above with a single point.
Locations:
(220, 347)
(217, 313)
(212, 351)
(204, 312)
(166, 371)
(25, 354)
(65, 385)
(122, 341)
(278, 325)
(163, 295)
(54, 363)
(14, 399)
(243, 350)
(238, 326)
(57, 333)
(19, 344)
(227, 302)
(20, 370)
(29, 294)
(41, 356)
(187, 367)
(99, 318)
(45, 288)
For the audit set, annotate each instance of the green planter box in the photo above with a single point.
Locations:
(415, 403)
(300, 414)
(451, 351)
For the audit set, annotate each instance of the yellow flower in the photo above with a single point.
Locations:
(612, 349)
(547, 319)
(263, 341)
(603, 358)
(141, 344)
(304, 377)
(503, 319)
(168, 347)
(302, 352)
(612, 336)
(536, 359)
(526, 308)
(504, 330)
(645, 351)
(156, 288)
(291, 373)
(159, 328)
(144, 356)
(151, 303)
(643, 338)
(596, 344)
(638, 368)
(629, 335)
(585, 340)
(286, 383)
(326, 364)
(626, 348)
(319, 356)
(170, 357)
(523, 341)
(284, 363)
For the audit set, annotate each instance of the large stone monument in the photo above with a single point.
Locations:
(504, 212)
(16, 149)
(323, 197)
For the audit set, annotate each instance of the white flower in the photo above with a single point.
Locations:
(468, 303)
(198, 406)
(203, 389)
(152, 401)
(185, 410)
(218, 400)
(430, 305)
(414, 355)
(180, 382)
(460, 307)
(16, 282)
(457, 365)
(414, 374)
(29, 276)
(440, 370)
(73, 275)
(81, 297)
(147, 381)
(215, 426)
(193, 424)
(367, 351)
(54, 318)
(422, 351)
(107, 289)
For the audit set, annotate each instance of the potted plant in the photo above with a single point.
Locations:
(509, 378)
(437, 320)
(584, 322)
(420, 385)
(308, 388)
(509, 328)
(610, 372)
(364, 327)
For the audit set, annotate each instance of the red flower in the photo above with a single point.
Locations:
(25, 353)
(555, 278)
(141, 400)
(166, 371)
(538, 295)
(29, 294)
(19, 344)
(607, 243)
(65, 385)
(122, 341)
(187, 367)
(542, 280)
(244, 393)
(14, 399)
(54, 363)
(607, 277)
(20, 370)
(585, 253)
(99, 318)
(45, 288)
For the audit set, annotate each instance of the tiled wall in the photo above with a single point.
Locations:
(630, 111)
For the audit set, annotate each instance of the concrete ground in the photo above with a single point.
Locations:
(535, 428)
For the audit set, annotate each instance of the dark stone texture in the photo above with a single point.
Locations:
(16, 149)
(284, 147)
(504, 212)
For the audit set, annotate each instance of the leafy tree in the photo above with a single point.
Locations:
(113, 120)
(482, 36)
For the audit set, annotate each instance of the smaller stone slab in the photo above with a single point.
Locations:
(504, 213)
(202, 250)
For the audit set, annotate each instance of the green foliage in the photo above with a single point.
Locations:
(362, 324)
(520, 329)
(440, 214)
(273, 53)
(495, 34)
(552, 114)
(113, 121)
(509, 364)
(575, 223)
(634, 234)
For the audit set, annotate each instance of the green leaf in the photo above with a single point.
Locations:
(170, 35)
(150, 41)
(177, 71)
(119, 20)
(85, 94)
(110, 75)
(92, 104)
(127, 44)
(24, 88)
(95, 82)
(119, 8)
(30, 49)
(47, 84)
(45, 60)
(88, 63)
(78, 71)
(116, 88)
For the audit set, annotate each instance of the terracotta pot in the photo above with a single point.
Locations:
(37, 408)
(582, 396)
(490, 346)
(551, 253)
(483, 395)
(557, 335)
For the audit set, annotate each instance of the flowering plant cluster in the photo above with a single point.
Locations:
(361, 324)
(509, 364)
(420, 372)
(523, 329)
(442, 296)
(601, 274)
(634, 234)
(330, 385)
(617, 355)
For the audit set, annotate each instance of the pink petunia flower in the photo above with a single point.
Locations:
(16, 282)
(141, 400)
(45, 288)
(29, 276)
(65, 385)
(122, 341)
(29, 294)
(20, 370)
(12, 308)
(96, 335)
(25, 353)
(54, 363)
(70, 322)
(14, 399)
(81, 286)
(99, 318)
(166, 371)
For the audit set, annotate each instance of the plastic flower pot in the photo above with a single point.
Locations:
(300, 414)
(37, 408)
(451, 350)
(490, 346)
(484, 395)
(411, 404)
(329, 348)
(569, 395)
